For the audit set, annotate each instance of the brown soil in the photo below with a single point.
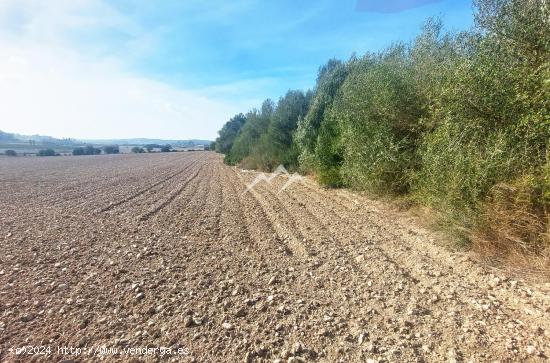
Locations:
(168, 250)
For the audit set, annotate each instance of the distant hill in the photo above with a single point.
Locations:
(39, 139)
(6, 137)
(145, 141)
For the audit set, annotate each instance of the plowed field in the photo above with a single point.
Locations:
(171, 251)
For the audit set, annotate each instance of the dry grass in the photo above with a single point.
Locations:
(513, 233)
(515, 227)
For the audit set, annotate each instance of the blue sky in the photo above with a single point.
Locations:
(180, 69)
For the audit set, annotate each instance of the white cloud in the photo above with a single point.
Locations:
(49, 86)
(61, 94)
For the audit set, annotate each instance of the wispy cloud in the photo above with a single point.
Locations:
(50, 84)
(178, 68)
(65, 95)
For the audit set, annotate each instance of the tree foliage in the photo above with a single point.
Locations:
(266, 138)
(494, 112)
(111, 149)
(229, 133)
(317, 137)
(138, 150)
(448, 119)
(87, 150)
(46, 152)
(255, 126)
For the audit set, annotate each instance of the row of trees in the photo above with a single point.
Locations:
(264, 138)
(458, 122)
(47, 152)
(114, 149)
(42, 152)
(86, 150)
(149, 148)
(90, 150)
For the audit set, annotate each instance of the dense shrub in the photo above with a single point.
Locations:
(378, 112)
(318, 136)
(266, 138)
(87, 150)
(10, 153)
(111, 149)
(166, 148)
(138, 150)
(229, 133)
(90, 150)
(279, 140)
(457, 122)
(255, 126)
(46, 152)
(78, 151)
(494, 114)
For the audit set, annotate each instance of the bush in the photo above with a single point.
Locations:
(265, 139)
(279, 140)
(492, 125)
(377, 112)
(255, 126)
(317, 135)
(111, 149)
(87, 150)
(327, 156)
(137, 150)
(90, 150)
(459, 122)
(46, 152)
(78, 151)
(166, 148)
(229, 133)
(10, 153)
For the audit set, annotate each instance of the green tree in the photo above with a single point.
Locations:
(87, 150)
(459, 122)
(78, 151)
(46, 152)
(493, 123)
(318, 135)
(255, 126)
(277, 143)
(229, 133)
(111, 149)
